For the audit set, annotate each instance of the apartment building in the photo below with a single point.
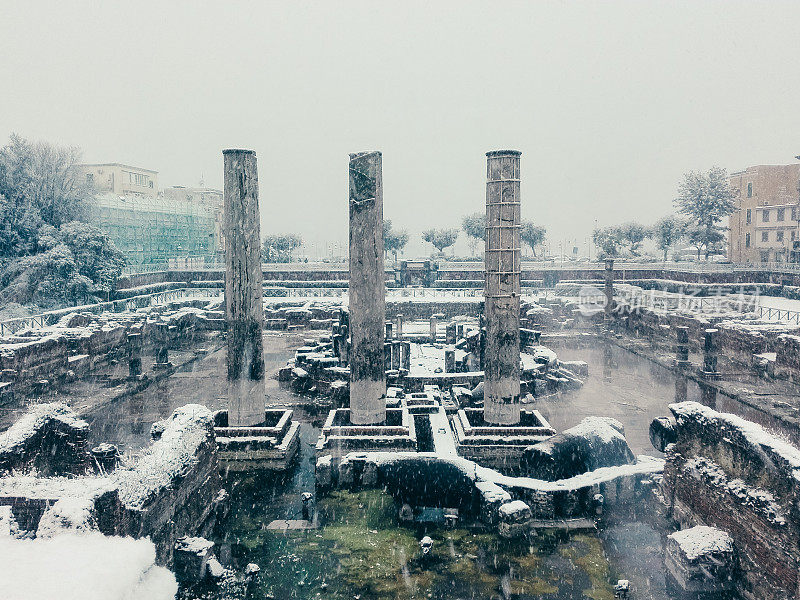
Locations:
(121, 180)
(765, 226)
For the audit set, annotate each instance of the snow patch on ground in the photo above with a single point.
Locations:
(83, 566)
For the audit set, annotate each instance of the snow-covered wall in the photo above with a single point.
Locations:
(50, 438)
(732, 474)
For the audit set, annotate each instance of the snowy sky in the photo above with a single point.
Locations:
(609, 102)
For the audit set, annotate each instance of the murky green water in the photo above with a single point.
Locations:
(360, 551)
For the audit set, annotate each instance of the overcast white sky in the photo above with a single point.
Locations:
(609, 102)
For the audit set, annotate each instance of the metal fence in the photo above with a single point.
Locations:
(778, 314)
(478, 266)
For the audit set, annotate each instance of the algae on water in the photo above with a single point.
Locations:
(360, 551)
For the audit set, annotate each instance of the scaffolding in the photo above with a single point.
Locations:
(154, 229)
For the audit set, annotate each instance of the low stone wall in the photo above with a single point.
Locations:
(174, 488)
(731, 474)
(425, 478)
(35, 360)
(737, 340)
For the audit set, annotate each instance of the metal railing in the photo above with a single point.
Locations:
(557, 265)
(778, 314)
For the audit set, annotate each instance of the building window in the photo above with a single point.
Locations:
(765, 236)
(749, 216)
(781, 214)
(138, 179)
(779, 236)
(747, 240)
(765, 216)
(765, 256)
(749, 190)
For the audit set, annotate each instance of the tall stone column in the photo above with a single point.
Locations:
(367, 290)
(502, 288)
(608, 277)
(244, 312)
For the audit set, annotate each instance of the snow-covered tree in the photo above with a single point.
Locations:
(705, 198)
(440, 238)
(474, 226)
(667, 232)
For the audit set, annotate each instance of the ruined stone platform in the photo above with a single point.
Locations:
(269, 446)
(339, 436)
(500, 447)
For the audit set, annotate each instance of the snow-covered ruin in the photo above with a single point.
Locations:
(341, 405)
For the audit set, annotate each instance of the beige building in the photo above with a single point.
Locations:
(208, 198)
(764, 225)
(121, 180)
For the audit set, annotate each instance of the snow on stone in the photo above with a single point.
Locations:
(67, 514)
(492, 492)
(83, 566)
(511, 508)
(34, 420)
(644, 465)
(701, 540)
(773, 447)
(196, 545)
(167, 458)
(541, 355)
(49, 488)
(8, 524)
(603, 429)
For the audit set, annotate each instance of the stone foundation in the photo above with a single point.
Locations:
(339, 436)
(728, 473)
(271, 446)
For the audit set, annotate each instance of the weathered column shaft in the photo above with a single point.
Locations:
(502, 288)
(682, 347)
(608, 276)
(710, 352)
(449, 361)
(134, 354)
(244, 311)
(367, 290)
